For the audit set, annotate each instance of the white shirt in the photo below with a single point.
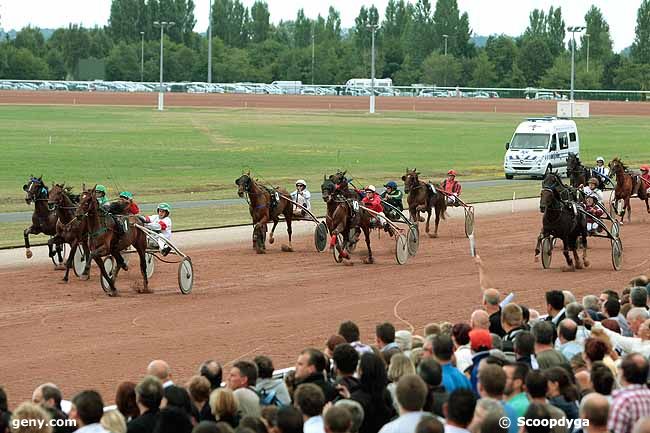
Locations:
(92, 428)
(603, 171)
(463, 357)
(405, 423)
(454, 429)
(302, 198)
(314, 425)
(164, 225)
(588, 191)
(167, 384)
(628, 344)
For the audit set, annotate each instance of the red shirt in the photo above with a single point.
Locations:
(646, 178)
(595, 211)
(133, 209)
(451, 186)
(373, 204)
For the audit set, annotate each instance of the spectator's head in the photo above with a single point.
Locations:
(47, 395)
(491, 299)
(567, 330)
(595, 408)
(372, 374)
(459, 409)
(607, 294)
(309, 398)
(350, 331)
(411, 393)
(30, 411)
(289, 420)
(639, 297)
(497, 342)
(577, 363)
(3, 400)
(242, 375)
(602, 378)
(149, 394)
(429, 425)
(480, 340)
(178, 397)
(208, 427)
(554, 301)
(432, 329)
(87, 408)
(533, 315)
(573, 311)
(431, 372)
(331, 344)
(427, 348)
(199, 389)
(212, 371)
(270, 416)
(612, 325)
(384, 334)
(418, 341)
(460, 334)
(543, 332)
(491, 381)
(310, 361)
(400, 365)
(443, 348)
(644, 330)
(404, 340)
(595, 350)
(125, 400)
(633, 370)
(264, 366)
(346, 359)
(223, 403)
(479, 319)
(536, 385)
(173, 419)
(159, 369)
(512, 317)
(253, 423)
(635, 317)
(539, 412)
(640, 281)
(524, 344)
(356, 412)
(560, 384)
(485, 407)
(515, 378)
(611, 307)
(568, 297)
(113, 421)
(337, 420)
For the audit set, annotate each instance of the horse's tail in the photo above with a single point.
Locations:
(442, 206)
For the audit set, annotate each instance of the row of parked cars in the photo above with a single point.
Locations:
(434, 93)
(79, 86)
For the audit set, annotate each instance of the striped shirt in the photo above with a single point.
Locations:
(629, 404)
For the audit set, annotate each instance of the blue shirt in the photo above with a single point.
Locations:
(511, 413)
(570, 349)
(453, 379)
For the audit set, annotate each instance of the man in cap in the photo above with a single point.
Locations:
(373, 202)
(393, 196)
(601, 169)
(645, 177)
(452, 187)
(161, 222)
(100, 193)
(131, 207)
(302, 196)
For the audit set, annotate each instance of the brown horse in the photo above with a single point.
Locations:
(345, 215)
(43, 219)
(69, 229)
(421, 198)
(105, 238)
(265, 204)
(626, 186)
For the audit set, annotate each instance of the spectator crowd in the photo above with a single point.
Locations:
(576, 367)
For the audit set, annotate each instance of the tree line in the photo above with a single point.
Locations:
(416, 43)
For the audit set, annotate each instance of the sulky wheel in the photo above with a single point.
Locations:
(109, 266)
(340, 246)
(79, 262)
(150, 262)
(185, 276)
(547, 252)
(413, 238)
(401, 249)
(469, 221)
(617, 254)
(321, 234)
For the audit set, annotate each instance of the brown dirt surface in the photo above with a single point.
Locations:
(304, 102)
(276, 304)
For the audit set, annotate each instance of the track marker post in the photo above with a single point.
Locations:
(514, 197)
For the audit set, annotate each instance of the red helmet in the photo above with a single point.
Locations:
(645, 168)
(451, 173)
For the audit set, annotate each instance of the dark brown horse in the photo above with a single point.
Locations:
(43, 219)
(105, 238)
(265, 205)
(626, 186)
(69, 229)
(421, 198)
(345, 216)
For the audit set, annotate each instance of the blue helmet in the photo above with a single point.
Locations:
(391, 184)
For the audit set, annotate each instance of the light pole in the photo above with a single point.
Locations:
(142, 58)
(313, 52)
(445, 37)
(373, 28)
(210, 45)
(162, 25)
(573, 30)
(587, 35)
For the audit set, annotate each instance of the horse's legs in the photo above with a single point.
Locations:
(69, 263)
(585, 261)
(86, 249)
(629, 209)
(275, 223)
(438, 215)
(287, 219)
(366, 234)
(26, 232)
(538, 246)
(59, 250)
(143, 265)
(570, 266)
(97, 257)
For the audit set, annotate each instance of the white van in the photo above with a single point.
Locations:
(540, 144)
(288, 87)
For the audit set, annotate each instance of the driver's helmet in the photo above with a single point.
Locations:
(600, 159)
(127, 195)
(451, 173)
(593, 180)
(391, 184)
(165, 207)
(301, 182)
(100, 188)
(645, 168)
(370, 188)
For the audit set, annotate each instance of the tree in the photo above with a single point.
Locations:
(31, 39)
(419, 39)
(558, 76)
(230, 22)
(260, 25)
(302, 31)
(600, 40)
(56, 65)
(633, 76)
(441, 70)
(555, 31)
(502, 52)
(124, 19)
(516, 78)
(333, 25)
(609, 71)
(536, 24)
(534, 59)
(123, 63)
(641, 46)
(22, 64)
(483, 74)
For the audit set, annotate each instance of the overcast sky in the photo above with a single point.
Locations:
(486, 16)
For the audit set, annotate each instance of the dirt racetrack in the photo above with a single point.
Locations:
(245, 304)
(309, 102)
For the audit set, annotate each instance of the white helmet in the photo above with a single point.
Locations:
(301, 182)
(600, 159)
(371, 188)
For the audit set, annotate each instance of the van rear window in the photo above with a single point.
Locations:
(572, 137)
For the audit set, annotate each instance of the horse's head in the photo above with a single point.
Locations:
(327, 188)
(56, 196)
(617, 166)
(410, 179)
(549, 192)
(87, 202)
(34, 188)
(243, 183)
(572, 161)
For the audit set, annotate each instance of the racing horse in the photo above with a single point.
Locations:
(562, 220)
(578, 173)
(626, 186)
(69, 229)
(345, 215)
(106, 238)
(43, 219)
(421, 198)
(265, 204)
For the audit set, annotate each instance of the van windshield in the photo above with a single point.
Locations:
(529, 141)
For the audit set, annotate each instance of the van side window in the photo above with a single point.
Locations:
(572, 137)
(564, 141)
(554, 139)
